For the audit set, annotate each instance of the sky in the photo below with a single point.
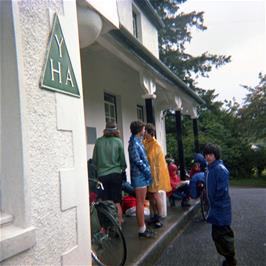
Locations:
(236, 28)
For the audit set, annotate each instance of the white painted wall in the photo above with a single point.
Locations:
(52, 154)
(149, 33)
(1, 91)
(149, 36)
(125, 14)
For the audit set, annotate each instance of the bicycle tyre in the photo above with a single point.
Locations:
(109, 246)
(204, 204)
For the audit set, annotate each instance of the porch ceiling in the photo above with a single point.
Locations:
(127, 68)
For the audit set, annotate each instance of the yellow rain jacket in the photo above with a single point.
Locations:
(159, 169)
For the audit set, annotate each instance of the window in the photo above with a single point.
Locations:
(110, 108)
(136, 23)
(140, 113)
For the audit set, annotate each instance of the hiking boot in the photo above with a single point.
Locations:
(157, 224)
(231, 261)
(147, 234)
(151, 221)
(154, 219)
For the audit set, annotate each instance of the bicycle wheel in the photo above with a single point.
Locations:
(108, 245)
(204, 204)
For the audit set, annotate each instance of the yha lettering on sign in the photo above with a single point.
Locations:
(58, 74)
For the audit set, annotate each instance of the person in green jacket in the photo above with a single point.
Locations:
(109, 157)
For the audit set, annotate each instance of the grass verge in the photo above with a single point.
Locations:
(249, 182)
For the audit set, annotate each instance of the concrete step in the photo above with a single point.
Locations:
(5, 219)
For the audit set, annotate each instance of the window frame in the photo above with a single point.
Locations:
(141, 109)
(136, 23)
(110, 104)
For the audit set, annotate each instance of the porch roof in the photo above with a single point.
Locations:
(132, 44)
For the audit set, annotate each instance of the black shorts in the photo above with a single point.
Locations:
(112, 184)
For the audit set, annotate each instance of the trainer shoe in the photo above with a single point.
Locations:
(147, 234)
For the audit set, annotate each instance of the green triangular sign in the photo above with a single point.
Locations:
(58, 74)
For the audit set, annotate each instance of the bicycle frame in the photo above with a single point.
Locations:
(105, 234)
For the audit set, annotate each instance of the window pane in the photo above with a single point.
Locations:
(109, 98)
(106, 107)
(110, 107)
(112, 111)
(135, 25)
(140, 114)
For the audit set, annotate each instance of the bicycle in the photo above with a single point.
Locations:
(108, 245)
(204, 203)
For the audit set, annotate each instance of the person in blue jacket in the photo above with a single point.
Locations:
(197, 175)
(140, 173)
(220, 213)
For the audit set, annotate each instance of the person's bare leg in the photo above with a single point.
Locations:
(158, 203)
(152, 204)
(140, 198)
(120, 213)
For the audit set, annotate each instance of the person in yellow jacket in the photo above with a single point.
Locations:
(159, 172)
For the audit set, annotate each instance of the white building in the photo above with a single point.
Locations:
(58, 87)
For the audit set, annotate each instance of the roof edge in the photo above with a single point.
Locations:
(125, 37)
(149, 11)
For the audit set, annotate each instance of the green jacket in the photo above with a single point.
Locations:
(108, 155)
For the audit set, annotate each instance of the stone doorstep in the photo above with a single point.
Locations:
(146, 251)
(5, 218)
(15, 240)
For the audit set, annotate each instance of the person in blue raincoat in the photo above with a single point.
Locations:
(140, 173)
(197, 175)
(220, 213)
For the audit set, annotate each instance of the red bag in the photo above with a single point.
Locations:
(128, 202)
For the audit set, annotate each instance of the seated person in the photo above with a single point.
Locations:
(197, 175)
(126, 186)
(180, 189)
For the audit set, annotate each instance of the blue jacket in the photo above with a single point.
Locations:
(139, 165)
(198, 177)
(218, 194)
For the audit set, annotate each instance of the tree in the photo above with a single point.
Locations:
(174, 37)
(252, 123)
(172, 45)
(219, 122)
(253, 112)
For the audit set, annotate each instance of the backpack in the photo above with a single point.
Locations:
(109, 207)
